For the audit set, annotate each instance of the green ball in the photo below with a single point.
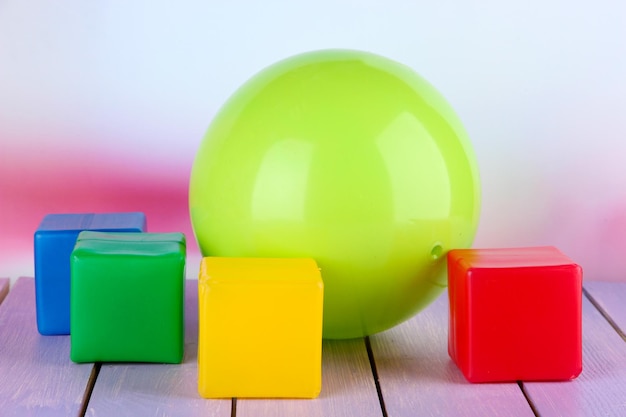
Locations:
(348, 158)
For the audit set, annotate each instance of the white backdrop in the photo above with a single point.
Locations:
(539, 85)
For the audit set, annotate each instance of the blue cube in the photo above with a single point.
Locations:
(54, 241)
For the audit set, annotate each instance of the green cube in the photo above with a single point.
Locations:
(127, 297)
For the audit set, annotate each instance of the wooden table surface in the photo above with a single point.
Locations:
(404, 371)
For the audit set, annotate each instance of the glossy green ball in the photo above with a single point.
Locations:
(351, 159)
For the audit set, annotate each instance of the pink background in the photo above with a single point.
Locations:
(103, 105)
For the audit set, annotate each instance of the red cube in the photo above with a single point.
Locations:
(515, 314)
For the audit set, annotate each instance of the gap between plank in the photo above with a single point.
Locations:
(606, 315)
(233, 407)
(91, 383)
(370, 356)
(527, 397)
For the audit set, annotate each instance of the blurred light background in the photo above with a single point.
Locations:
(103, 105)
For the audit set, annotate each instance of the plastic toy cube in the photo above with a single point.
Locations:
(54, 242)
(127, 297)
(515, 314)
(260, 328)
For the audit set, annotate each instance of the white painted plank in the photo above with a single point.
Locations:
(348, 388)
(4, 288)
(156, 389)
(38, 377)
(600, 390)
(418, 378)
(610, 297)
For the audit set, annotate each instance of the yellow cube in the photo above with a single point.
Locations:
(260, 328)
